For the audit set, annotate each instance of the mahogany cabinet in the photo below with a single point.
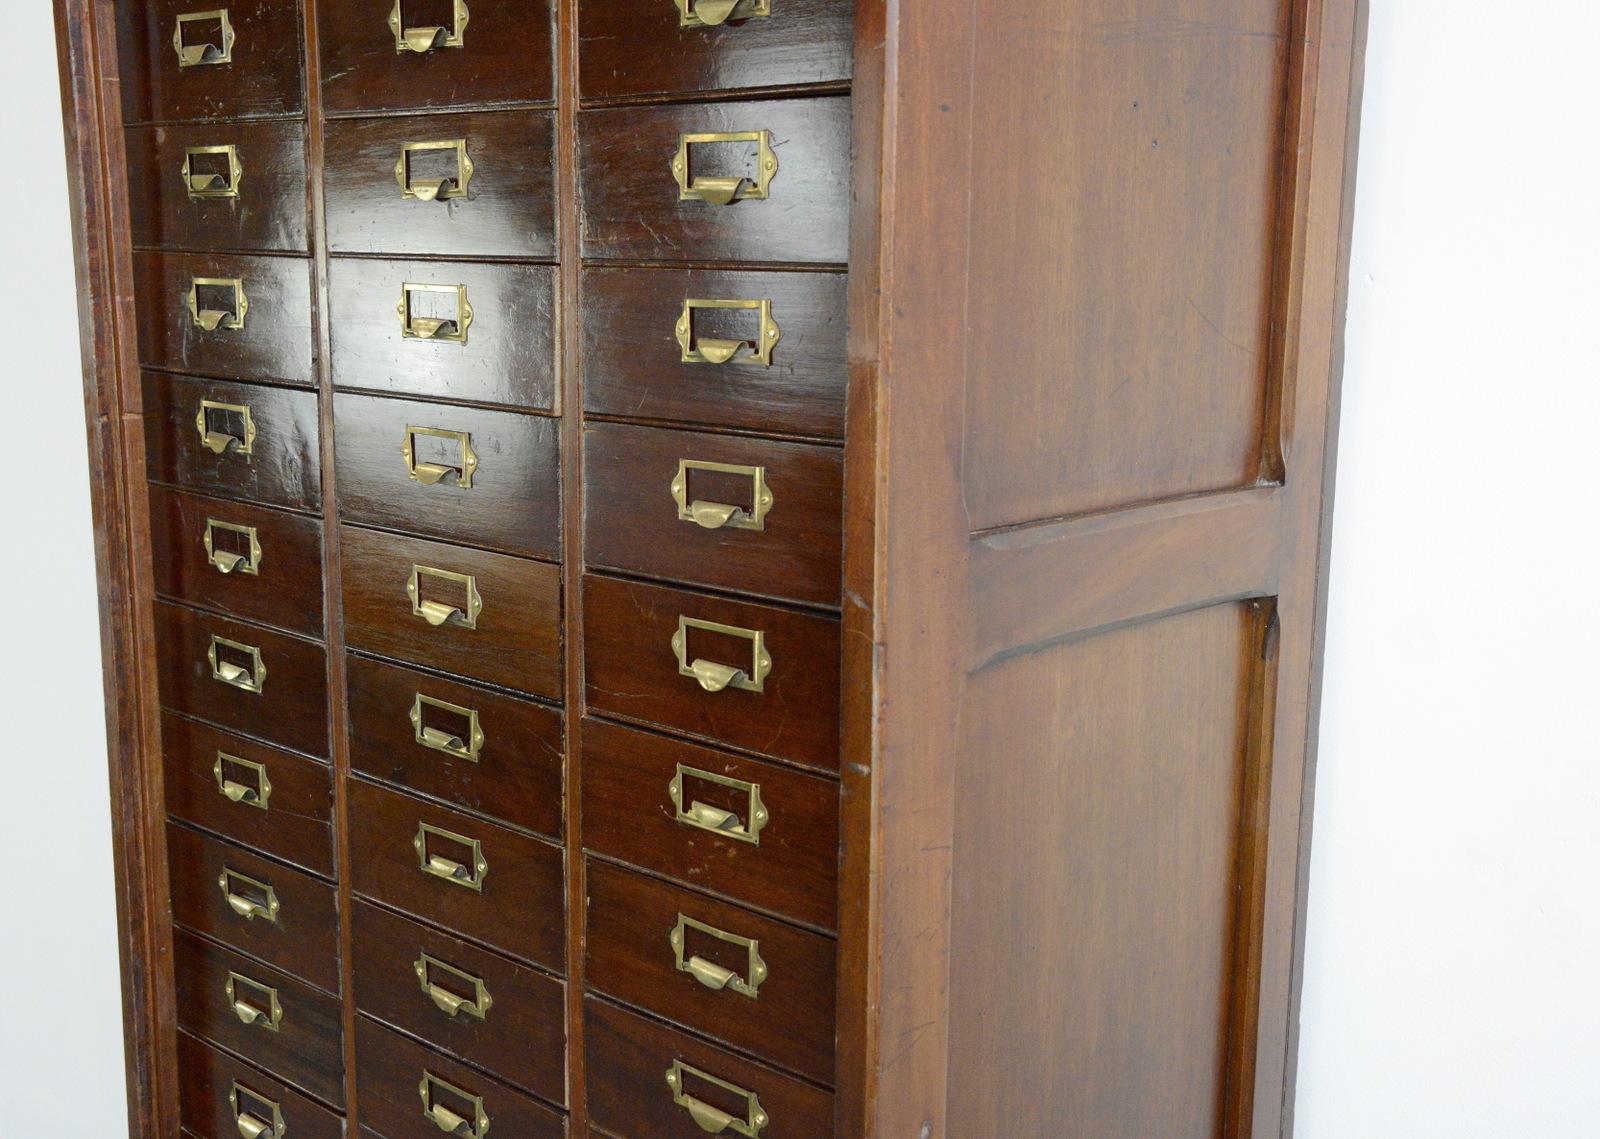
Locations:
(735, 567)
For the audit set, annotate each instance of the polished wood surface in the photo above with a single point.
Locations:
(209, 1076)
(263, 79)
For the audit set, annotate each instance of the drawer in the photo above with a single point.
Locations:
(504, 354)
(507, 892)
(486, 478)
(258, 907)
(472, 747)
(635, 208)
(503, 54)
(630, 1060)
(748, 981)
(221, 1097)
(411, 1092)
(749, 515)
(410, 976)
(479, 185)
(259, 310)
(233, 185)
(268, 799)
(243, 677)
(514, 635)
(246, 561)
(791, 865)
(234, 440)
(253, 72)
(266, 1017)
(635, 669)
(643, 47)
(634, 366)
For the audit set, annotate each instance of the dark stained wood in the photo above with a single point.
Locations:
(517, 776)
(631, 206)
(633, 365)
(513, 504)
(632, 522)
(521, 1037)
(273, 345)
(509, 210)
(208, 1076)
(634, 674)
(517, 642)
(269, 211)
(790, 1020)
(297, 824)
(629, 815)
(263, 79)
(282, 591)
(289, 710)
(507, 359)
(638, 47)
(520, 909)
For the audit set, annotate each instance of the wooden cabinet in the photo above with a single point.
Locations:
(682, 567)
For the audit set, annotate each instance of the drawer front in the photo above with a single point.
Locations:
(634, 364)
(508, 893)
(393, 1074)
(257, 442)
(268, 799)
(306, 1047)
(475, 185)
(503, 55)
(472, 747)
(516, 641)
(256, 74)
(507, 356)
(218, 186)
(278, 692)
(411, 976)
(246, 561)
(220, 1098)
(487, 478)
(749, 981)
(629, 1058)
(259, 309)
(633, 205)
(748, 515)
(268, 911)
(635, 670)
(643, 47)
(629, 813)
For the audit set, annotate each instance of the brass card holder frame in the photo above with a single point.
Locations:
(715, 819)
(424, 39)
(244, 905)
(711, 975)
(708, 350)
(202, 186)
(216, 319)
(452, 1004)
(197, 55)
(714, 13)
(433, 474)
(252, 1123)
(714, 676)
(437, 613)
(469, 749)
(231, 561)
(436, 329)
(446, 1120)
(218, 442)
(233, 790)
(467, 874)
(722, 515)
(234, 676)
(269, 1018)
(722, 191)
(714, 1120)
(434, 189)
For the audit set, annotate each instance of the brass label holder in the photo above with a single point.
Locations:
(468, 747)
(234, 675)
(711, 350)
(709, 1118)
(431, 474)
(709, 974)
(201, 184)
(724, 190)
(445, 329)
(422, 39)
(266, 1013)
(215, 50)
(206, 316)
(452, 1004)
(469, 873)
(714, 13)
(246, 560)
(718, 820)
(722, 515)
(437, 613)
(227, 770)
(263, 905)
(256, 1116)
(212, 421)
(434, 189)
(713, 676)
(445, 1118)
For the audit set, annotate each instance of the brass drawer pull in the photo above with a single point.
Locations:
(436, 612)
(211, 172)
(203, 38)
(218, 303)
(751, 515)
(447, 1119)
(723, 190)
(710, 1119)
(469, 872)
(430, 473)
(718, 820)
(441, 189)
(254, 1003)
(225, 427)
(467, 745)
(242, 781)
(422, 39)
(711, 13)
(256, 1116)
(714, 676)
(720, 350)
(419, 321)
(452, 1003)
(231, 547)
(248, 897)
(226, 668)
(709, 973)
